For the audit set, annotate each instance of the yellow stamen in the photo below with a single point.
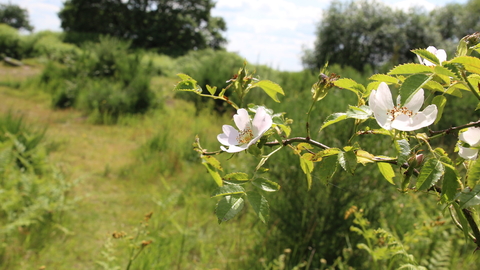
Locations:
(397, 110)
(245, 136)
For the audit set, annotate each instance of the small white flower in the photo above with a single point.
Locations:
(440, 54)
(472, 137)
(248, 133)
(405, 118)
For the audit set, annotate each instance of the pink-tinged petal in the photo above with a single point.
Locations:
(261, 122)
(467, 153)
(471, 136)
(405, 123)
(381, 99)
(242, 120)
(229, 135)
(416, 102)
(235, 148)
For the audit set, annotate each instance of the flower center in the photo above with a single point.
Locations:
(397, 110)
(245, 136)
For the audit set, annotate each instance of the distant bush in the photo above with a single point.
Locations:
(104, 80)
(9, 41)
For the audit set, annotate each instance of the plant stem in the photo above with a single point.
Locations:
(474, 91)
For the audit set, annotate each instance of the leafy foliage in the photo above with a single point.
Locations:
(15, 16)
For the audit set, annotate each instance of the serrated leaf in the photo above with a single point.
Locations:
(441, 70)
(384, 78)
(362, 112)
(214, 173)
(387, 171)
(426, 55)
(440, 102)
(213, 161)
(228, 190)
(259, 205)
(462, 48)
(403, 150)
(434, 86)
(471, 64)
(431, 172)
(350, 84)
(187, 84)
(411, 85)
(473, 175)
(470, 198)
(265, 184)
(236, 178)
(450, 183)
(348, 161)
(364, 157)
(228, 207)
(333, 118)
(463, 220)
(410, 69)
(326, 168)
(271, 88)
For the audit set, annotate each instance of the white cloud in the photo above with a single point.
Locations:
(407, 4)
(43, 13)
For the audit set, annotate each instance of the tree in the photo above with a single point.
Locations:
(15, 16)
(171, 27)
(368, 33)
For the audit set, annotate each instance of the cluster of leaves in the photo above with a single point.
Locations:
(435, 171)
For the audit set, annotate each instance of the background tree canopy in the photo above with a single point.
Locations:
(170, 27)
(15, 16)
(371, 33)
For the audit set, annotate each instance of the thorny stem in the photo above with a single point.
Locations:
(473, 225)
(448, 130)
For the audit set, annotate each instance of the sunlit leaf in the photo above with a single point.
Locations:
(228, 207)
(403, 150)
(471, 64)
(364, 157)
(259, 205)
(333, 118)
(473, 175)
(350, 84)
(228, 190)
(265, 184)
(271, 88)
(236, 178)
(211, 90)
(423, 53)
(362, 112)
(450, 183)
(411, 85)
(307, 167)
(384, 78)
(348, 161)
(387, 171)
(214, 173)
(410, 69)
(440, 102)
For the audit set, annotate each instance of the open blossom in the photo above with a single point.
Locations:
(405, 118)
(440, 54)
(248, 133)
(472, 137)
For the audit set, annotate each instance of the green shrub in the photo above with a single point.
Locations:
(9, 42)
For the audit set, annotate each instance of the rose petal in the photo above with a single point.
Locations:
(416, 102)
(261, 122)
(467, 153)
(242, 120)
(471, 136)
(235, 148)
(229, 135)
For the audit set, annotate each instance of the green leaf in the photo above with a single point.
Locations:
(333, 118)
(384, 78)
(214, 173)
(462, 48)
(259, 205)
(440, 70)
(228, 190)
(431, 172)
(212, 161)
(350, 84)
(463, 220)
(187, 84)
(228, 207)
(411, 85)
(211, 90)
(364, 112)
(403, 150)
(473, 175)
(434, 86)
(410, 69)
(307, 166)
(440, 102)
(236, 178)
(348, 161)
(471, 64)
(427, 55)
(471, 198)
(450, 183)
(387, 171)
(265, 184)
(326, 168)
(271, 88)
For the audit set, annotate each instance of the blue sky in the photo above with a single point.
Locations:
(269, 32)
